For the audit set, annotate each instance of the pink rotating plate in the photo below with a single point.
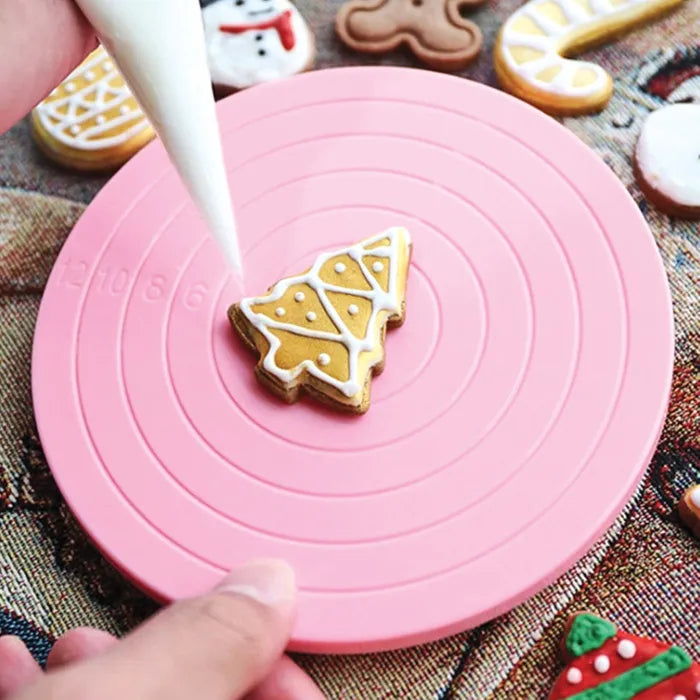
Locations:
(520, 403)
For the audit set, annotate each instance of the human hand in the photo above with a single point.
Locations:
(41, 42)
(223, 645)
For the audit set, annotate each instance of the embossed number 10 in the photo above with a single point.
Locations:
(112, 281)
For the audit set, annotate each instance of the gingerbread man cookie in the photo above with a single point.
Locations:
(434, 30)
(607, 663)
(255, 41)
(667, 159)
(322, 332)
(531, 49)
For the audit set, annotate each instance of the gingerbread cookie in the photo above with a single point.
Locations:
(91, 121)
(434, 30)
(254, 41)
(531, 49)
(607, 664)
(322, 332)
(667, 159)
(689, 509)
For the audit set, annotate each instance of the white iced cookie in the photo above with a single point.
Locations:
(667, 159)
(91, 121)
(531, 49)
(254, 41)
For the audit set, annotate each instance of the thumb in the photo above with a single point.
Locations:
(217, 646)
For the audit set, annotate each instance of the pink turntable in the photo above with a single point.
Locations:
(520, 403)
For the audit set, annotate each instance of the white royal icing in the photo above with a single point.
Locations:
(555, 34)
(279, 311)
(353, 309)
(679, 697)
(299, 296)
(310, 316)
(668, 153)
(574, 675)
(626, 649)
(601, 663)
(389, 301)
(339, 268)
(65, 118)
(324, 359)
(254, 55)
(377, 266)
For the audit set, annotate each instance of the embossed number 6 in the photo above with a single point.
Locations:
(196, 295)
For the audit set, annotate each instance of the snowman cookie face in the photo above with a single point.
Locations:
(254, 41)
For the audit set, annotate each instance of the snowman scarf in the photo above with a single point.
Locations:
(282, 24)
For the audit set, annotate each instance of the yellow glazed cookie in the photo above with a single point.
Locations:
(91, 121)
(530, 51)
(322, 332)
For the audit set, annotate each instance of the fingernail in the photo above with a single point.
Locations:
(267, 581)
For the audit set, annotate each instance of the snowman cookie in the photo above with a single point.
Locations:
(255, 41)
(667, 159)
(689, 509)
(322, 332)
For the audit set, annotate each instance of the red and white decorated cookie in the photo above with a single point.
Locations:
(606, 664)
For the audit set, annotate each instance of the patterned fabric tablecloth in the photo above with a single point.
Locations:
(644, 573)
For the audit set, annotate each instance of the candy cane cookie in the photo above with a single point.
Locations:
(530, 55)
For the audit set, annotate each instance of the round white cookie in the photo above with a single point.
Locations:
(667, 159)
(255, 41)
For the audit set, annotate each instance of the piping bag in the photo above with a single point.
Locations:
(160, 50)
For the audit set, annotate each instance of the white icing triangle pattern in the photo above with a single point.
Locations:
(66, 118)
(390, 301)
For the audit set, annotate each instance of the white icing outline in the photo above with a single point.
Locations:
(89, 139)
(390, 301)
(550, 44)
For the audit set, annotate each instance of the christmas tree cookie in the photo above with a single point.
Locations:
(322, 332)
(606, 664)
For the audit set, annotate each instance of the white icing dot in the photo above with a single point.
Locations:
(574, 675)
(107, 65)
(626, 648)
(299, 296)
(70, 87)
(54, 92)
(695, 500)
(697, 688)
(353, 309)
(601, 663)
(100, 119)
(324, 359)
(89, 75)
(75, 129)
(310, 316)
(339, 268)
(125, 109)
(679, 697)
(377, 266)
(279, 311)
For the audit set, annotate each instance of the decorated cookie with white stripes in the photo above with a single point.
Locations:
(322, 332)
(91, 121)
(533, 49)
